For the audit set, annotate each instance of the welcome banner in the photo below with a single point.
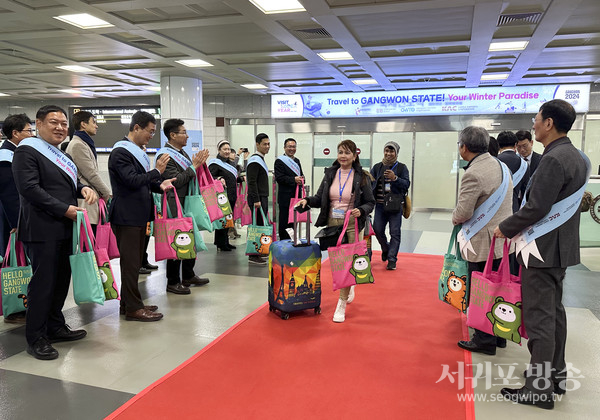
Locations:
(458, 101)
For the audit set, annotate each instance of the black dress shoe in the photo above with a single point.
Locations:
(501, 342)
(178, 289)
(150, 266)
(231, 246)
(16, 318)
(42, 350)
(383, 256)
(475, 348)
(66, 334)
(151, 308)
(223, 248)
(527, 397)
(144, 270)
(557, 389)
(196, 281)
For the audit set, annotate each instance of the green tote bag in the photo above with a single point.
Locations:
(454, 283)
(195, 205)
(87, 281)
(16, 274)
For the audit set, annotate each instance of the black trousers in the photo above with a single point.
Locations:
(48, 287)
(131, 244)
(187, 269)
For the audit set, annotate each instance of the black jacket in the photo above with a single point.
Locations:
(132, 203)
(46, 193)
(535, 161)
(9, 196)
(231, 181)
(361, 189)
(513, 161)
(399, 186)
(258, 182)
(286, 181)
(182, 176)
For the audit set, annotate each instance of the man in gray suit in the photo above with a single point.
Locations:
(560, 174)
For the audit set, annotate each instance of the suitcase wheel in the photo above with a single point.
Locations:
(318, 310)
(271, 309)
(285, 315)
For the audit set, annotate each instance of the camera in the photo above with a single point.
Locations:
(244, 150)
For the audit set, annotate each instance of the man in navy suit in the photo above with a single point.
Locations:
(525, 150)
(48, 188)
(16, 128)
(132, 208)
(507, 141)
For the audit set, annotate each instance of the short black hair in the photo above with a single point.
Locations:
(493, 147)
(142, 119)
(562, 113)
(81, 117)
(523, 135)
(45, 110)
(288, 140)
(171, 126)
(260, 137)
(507, 139)
(14, 122)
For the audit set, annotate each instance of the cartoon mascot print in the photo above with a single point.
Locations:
(361, 269)
(183, 244)
(108, 281)
(223, 202)
(506, 319)
(457, 288)
(264, 244)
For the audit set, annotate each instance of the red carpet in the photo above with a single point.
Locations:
(382, 363)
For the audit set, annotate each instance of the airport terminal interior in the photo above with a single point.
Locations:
(419, 71)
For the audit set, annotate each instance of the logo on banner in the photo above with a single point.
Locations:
(326, 151)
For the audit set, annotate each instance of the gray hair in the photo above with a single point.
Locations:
(476, 139)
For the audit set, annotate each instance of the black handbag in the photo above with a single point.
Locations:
(392, 203)
(329, 236)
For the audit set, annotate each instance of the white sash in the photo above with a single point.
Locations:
(54, 155)
(6, 155)
(224, 165)
(558, 215)
(177, 157)
(290, 163)
(136, 151)
(260, 161)
(484, 213)
(518, 176)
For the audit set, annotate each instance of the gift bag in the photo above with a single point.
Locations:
(246, 218)
(259, 237)
(350, 263)
(194, 205)
(302, 217)
(87, 281)
(239, 203)
(174, 237)
(495, 301)
(209, 190)
(105, 237)
(109, 283)
(15, 274)
(224, 223)
(199, 241)
(453, 285)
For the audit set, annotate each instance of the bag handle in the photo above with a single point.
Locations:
(165, 207)
(346, 222)
(103, 211)
(262, 213)
(10, 259)
(453, 241)
(504, 268)
(78, 225)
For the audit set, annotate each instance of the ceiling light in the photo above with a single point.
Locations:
(84, 21)
(153, 88)
(278, 6)
(494, 76)
(364, 81)
(508, 46)
(75, 91)
(254, 86)
(6, 94)
(333, 56)
(194, 63)
(76, 69)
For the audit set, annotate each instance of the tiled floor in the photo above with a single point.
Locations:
(118, 359)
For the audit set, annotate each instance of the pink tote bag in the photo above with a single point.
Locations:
(174, 237)
(105, 237)
(350, 263)
(209, 188)
(239, 203)
(246, 218)
(495, 300)
(302, 217)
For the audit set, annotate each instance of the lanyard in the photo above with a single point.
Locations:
(340, 180)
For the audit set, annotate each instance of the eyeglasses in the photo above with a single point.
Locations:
(31, 130)
(152, 132)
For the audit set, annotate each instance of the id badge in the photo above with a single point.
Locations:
(387, 187)
(338, 214)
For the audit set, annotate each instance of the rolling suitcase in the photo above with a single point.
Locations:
(295, 274)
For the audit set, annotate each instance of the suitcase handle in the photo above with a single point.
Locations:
(297, 226)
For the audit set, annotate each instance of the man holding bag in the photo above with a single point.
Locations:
(183, 169)
(47, 182)
(547, 228)
(289, 177)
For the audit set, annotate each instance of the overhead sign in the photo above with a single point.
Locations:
(459, 101)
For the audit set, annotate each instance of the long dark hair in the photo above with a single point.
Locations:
(351, 147)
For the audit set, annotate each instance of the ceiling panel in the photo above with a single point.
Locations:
(286, 71)
(424, 65)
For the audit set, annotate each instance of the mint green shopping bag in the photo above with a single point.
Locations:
(195, 205)
(16, 274)
(453, 287)
(87, 281)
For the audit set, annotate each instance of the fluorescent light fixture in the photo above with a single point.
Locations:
(194, 63)
(278, 6)
(508, 46)
(6, 94)
(494, 76)
(364, 82)
(76, 69)
(74, 91)
(153, 88)
(333, 56)
(84, 21)
(254, 86)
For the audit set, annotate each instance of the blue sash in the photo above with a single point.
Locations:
(559, 214)
(290, 163)
(260, 161)
(484, 213)
(6, 155)
(54, 155)
(177, 157)
(136, 151)
(224, 165)
(518, 176)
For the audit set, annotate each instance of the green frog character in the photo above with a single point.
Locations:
(108, 282)
(361, 269)
(183, 243)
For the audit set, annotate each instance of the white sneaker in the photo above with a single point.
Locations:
(351, 294)
(340, 311)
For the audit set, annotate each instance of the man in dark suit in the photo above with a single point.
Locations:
(131, 209)
(48, 188)
(560, 174)
(507, 141)
(289, 175)
(257, 175)
(525, 150)
(16, 128)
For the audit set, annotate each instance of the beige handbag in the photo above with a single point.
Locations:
(407, 207)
